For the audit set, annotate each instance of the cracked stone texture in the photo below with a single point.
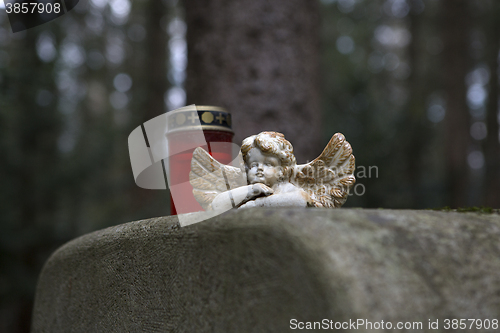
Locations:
(254, 270)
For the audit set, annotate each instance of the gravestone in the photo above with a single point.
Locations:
(268, 270)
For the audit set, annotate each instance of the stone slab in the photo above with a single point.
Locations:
(254, 270)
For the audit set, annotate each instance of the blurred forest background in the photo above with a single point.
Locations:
(412, 84)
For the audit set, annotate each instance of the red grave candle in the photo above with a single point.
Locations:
(183, 137)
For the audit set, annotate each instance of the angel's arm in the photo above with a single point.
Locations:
(295, 198)
(238, 196)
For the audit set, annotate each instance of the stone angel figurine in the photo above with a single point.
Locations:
(269, 176)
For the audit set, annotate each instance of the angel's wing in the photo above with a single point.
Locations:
(210, 178)
(329, 177)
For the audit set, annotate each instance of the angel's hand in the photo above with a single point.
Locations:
(249, 204)
(260, 189)
(255, 192)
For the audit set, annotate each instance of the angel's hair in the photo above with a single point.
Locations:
(273, 143)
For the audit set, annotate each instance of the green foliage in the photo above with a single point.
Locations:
(374, 93)
(383, 87)
(473, 209)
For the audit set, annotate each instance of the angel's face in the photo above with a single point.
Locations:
(263, 168)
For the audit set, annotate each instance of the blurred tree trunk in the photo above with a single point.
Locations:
(455, 25)
(492, 143)
(156, 60)
(413, 126)
(30, 180)
(260, 60)
(153, 75)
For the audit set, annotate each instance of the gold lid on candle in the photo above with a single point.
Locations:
(186, 118)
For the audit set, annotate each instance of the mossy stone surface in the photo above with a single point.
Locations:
(254, 270)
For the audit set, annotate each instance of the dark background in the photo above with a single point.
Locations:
(412, 84)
